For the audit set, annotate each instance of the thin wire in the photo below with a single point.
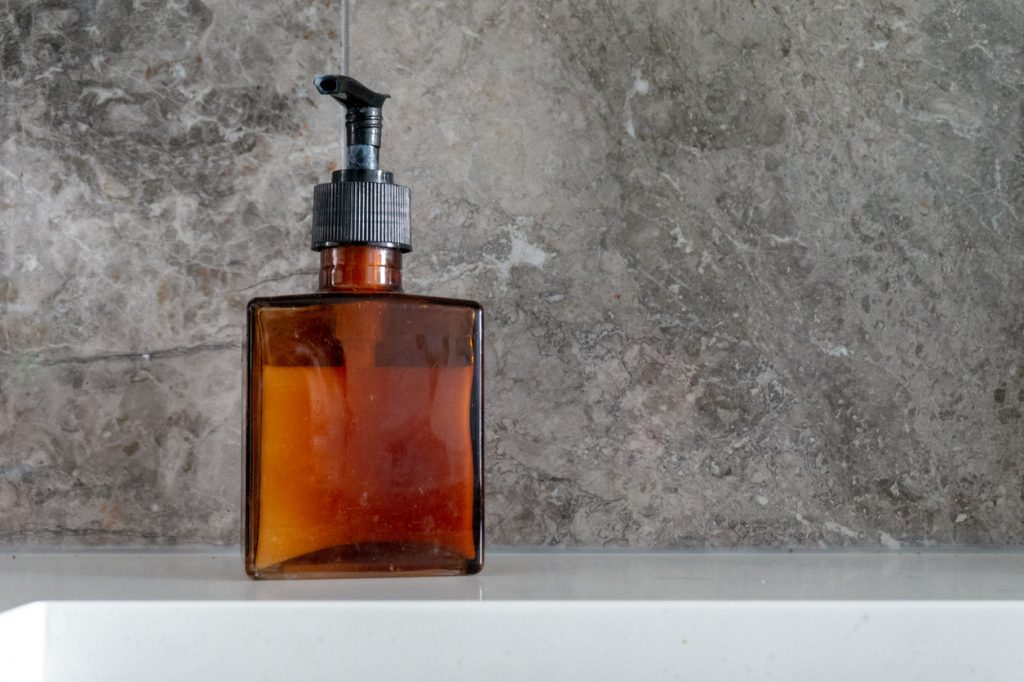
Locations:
(344, 37)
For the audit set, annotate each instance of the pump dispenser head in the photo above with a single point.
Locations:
(361, 204)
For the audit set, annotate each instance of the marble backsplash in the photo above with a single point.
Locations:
(754, 270)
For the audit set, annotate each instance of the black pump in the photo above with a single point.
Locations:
(362, 204)
(363, 120)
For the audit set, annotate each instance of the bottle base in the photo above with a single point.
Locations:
(369, 560)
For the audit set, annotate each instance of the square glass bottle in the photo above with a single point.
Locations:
(364, 405)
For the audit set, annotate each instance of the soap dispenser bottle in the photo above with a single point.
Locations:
(364, 418)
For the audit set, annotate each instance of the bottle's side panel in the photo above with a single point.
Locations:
(364, 444)
(476, 425)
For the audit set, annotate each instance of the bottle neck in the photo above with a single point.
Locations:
(360, 268)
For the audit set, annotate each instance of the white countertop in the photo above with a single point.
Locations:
(110, 616)
(530, 575)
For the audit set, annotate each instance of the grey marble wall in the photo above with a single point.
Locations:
(753, 269)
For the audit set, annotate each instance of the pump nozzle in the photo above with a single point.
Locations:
(363, 119)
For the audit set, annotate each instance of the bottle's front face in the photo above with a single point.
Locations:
(363, 442)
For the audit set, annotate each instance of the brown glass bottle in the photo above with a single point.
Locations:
(364, 427)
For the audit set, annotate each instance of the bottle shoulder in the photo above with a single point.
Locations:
(390, 329)
(346, 298)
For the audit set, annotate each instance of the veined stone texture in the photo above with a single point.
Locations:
(753, 270)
